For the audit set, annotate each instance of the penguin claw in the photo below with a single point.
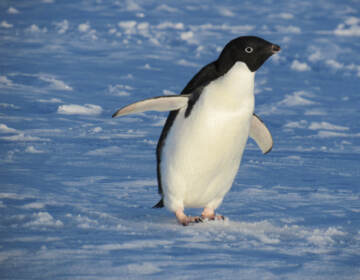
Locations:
(214, 218)
(186, 220)
(206, 216)
(220, 217)
(192, 220)
(200, 219)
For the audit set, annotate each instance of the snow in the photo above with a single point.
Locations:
(226, 12)
(34, 205)
(51, 100)
(77, 187)
(5, 24)
(43, 219)
(12, 11)
(189, 37)
(108, 151)
(73, 109)
(33, 150)
(288, 29)
(5, 129)
(5, 81)
(282, 15)
(128, 26)
(54, 83)
(300, 66)
(187, 63)
(84, 27)
(62, 26)
(120, 90)
(36, 29)
(23, 138)
(351, 27)
(326, 125)
(298, 98)
(168, 24)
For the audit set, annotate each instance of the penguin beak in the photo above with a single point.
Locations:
(275, 48)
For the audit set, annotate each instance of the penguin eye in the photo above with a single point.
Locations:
(249, 49)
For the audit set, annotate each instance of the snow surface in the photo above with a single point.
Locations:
(77, 186)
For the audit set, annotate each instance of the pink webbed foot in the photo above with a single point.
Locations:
(186, 220)
(209, 214)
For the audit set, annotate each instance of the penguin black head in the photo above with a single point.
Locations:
(251, 50)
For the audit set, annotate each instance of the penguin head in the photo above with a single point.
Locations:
(251, 50)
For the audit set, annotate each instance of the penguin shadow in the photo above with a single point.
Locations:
(145, 215)
(166, 218)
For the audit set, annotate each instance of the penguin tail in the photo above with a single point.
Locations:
(160, 204)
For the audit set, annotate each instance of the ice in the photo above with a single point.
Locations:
(77, 187)
(5, 129)
(170, 25)
(12, 11)
(334, 64)
(288, 29)
(186, 63)
(73, 109)
(62, 26)
(287, 16)
(128, 26)
(84, 27)
(54, 83)
(51, 100)
(300, 66)
(4, 81)
(188, 37)
(43, 219)
(5, 24)
(326, 125)
(33, 150)
(166, 8)
(351, 27)
(22, 137)
(298, 98)
(34, 28)
(34, 205)
(226, 12)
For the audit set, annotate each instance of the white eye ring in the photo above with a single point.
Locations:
(249, 49)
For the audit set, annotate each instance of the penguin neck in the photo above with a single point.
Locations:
(234, 90)
(240, 79)
(240, 70)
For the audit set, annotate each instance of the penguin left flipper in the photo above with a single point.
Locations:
(160, 103)
(260, 133)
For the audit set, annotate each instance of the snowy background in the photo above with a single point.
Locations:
(76, 187)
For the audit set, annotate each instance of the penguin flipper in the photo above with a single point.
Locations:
(160, 103)
(260, 133)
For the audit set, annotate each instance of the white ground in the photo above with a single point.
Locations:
(76, 187)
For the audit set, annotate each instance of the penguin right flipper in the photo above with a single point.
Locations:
(160, 103)
(260, 133)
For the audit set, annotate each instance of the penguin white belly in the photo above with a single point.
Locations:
(202, 152)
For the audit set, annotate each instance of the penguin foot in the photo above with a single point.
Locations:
(186, 220)
(214, 218)
(209, 214)
(192, 220)
(219, 217)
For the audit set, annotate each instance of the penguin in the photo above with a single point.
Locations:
(202, 142)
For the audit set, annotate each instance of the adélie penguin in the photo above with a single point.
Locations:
(203, 139)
